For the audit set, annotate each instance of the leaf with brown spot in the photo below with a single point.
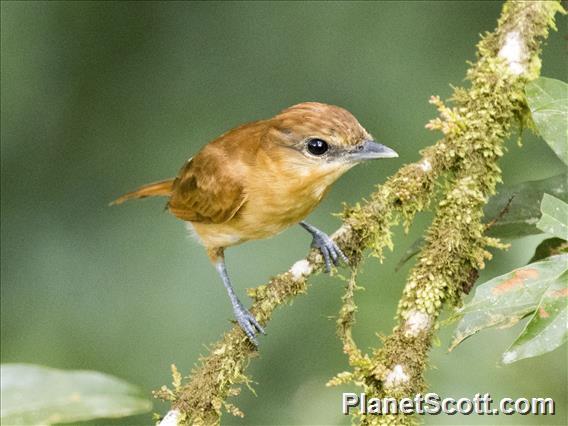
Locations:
(507, 286)
(560, 293)
(527, 273)
(546, 330)
(505, 300)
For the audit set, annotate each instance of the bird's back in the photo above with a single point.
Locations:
(211, 187)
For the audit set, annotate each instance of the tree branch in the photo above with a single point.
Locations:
(455, 245)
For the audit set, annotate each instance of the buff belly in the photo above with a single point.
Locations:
(252, 223)
(270, 209)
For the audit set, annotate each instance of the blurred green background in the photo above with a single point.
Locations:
(98, 98)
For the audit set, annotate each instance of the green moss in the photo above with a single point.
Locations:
(463, 168)
(474, 129)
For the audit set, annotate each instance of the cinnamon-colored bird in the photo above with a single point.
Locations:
(260, 178)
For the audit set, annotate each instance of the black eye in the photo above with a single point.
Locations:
(317, 146)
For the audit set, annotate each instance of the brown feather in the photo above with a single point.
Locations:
(156, 189)
(203, 193)
(210, 188)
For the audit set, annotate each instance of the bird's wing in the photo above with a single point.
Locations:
(205, 191)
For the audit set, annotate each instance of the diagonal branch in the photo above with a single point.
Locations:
(474, 133)
(455, 245)
(202, 398)
(365, 226)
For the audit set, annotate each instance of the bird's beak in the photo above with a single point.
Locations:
(371, 150)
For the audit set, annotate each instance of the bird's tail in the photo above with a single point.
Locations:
(156, 189)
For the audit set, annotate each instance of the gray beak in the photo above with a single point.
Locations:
(371, 150)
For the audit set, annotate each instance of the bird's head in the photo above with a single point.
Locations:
(324, 139)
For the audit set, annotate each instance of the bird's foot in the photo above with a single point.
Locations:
(329, 249)
(248, 323)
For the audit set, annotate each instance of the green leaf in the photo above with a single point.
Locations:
(505, 300)
(523, 213)
(34, 395)
(548, 101)
(546, 330)
(549, 247)
(554, 218)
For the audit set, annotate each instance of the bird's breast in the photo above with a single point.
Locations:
(275, 200)
(278, 200)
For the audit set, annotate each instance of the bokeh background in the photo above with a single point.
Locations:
(99, 97)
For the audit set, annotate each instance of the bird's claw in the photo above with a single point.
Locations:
(329, 250)
(248, 323)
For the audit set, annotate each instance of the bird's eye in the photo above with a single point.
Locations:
(317, 146)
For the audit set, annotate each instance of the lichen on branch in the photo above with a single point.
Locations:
(475, 127)
(465, 160)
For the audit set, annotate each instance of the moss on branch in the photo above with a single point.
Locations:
(475, 127)
(465, 160)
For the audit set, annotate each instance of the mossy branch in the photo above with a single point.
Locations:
(474, 129)
(466, 161)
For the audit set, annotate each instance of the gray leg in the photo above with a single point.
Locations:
(246, 320)
(329, 250)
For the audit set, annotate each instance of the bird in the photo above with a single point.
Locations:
(258, 179)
